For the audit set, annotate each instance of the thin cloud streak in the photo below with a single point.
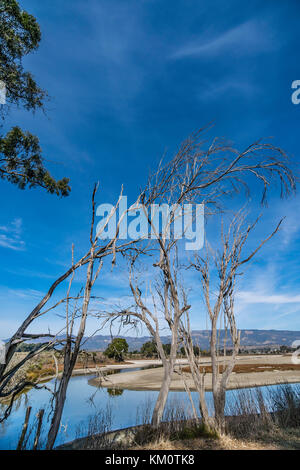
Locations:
(250, 297)
(247, 38)
(11, 236)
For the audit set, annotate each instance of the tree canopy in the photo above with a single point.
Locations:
(116, 349)
(21, 161)
(149, 349)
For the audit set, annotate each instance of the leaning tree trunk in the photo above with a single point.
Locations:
(71, 356)
(220, 381)
(60, 399)
(221, 385)
(167, 378)
(198, 378)
(163, 395)
(218, 388)
(219, 405)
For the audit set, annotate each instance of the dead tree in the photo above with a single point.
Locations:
(207, 172)
(197, 175)
(73, 341)
(197, 371)
(219, 302)
(203, 174)
(24, 429)
(167, 306)
(38, 429)
(71, 349)
(10, 385)
(73, 344)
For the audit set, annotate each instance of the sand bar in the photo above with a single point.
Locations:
(151, 379)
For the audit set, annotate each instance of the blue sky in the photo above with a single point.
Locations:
(129, 81)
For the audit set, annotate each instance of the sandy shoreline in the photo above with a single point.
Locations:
(94, 370)
(151, 379)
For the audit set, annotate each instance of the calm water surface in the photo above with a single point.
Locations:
(83, 401)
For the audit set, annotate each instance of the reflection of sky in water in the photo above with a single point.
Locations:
(84, 400)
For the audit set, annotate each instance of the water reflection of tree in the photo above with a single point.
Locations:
(21, 401)
(115, 392)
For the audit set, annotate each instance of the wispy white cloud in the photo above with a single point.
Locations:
(252, 297)
(10, 236)
(111, 35)
(31, 294)
(248, 38)
(24, 272)
(291, 226)
(231, 85)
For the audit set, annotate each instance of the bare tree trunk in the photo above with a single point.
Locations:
(70, 361)
(38, 431)
(203, 406)
(192, 176)
(163, 396)
(219, 395)
(168, 373)
(198, 376)
(220, 385)
(188, 391)
(71, 352)
(10, 384)
(227, 264)
(58, 411)
(24, 430)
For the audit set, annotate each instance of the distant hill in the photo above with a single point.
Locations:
(250, 339)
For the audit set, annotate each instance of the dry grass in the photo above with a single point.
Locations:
(224, 443)
(254, 422)
(248, 368)
(44, 366)
(274, 440)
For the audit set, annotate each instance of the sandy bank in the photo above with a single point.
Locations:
(94, 370)
(151, 379)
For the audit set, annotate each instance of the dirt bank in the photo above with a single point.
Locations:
(151, 379)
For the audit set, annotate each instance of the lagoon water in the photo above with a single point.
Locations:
(83, 401)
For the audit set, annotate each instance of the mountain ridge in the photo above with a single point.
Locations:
(250, 339)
